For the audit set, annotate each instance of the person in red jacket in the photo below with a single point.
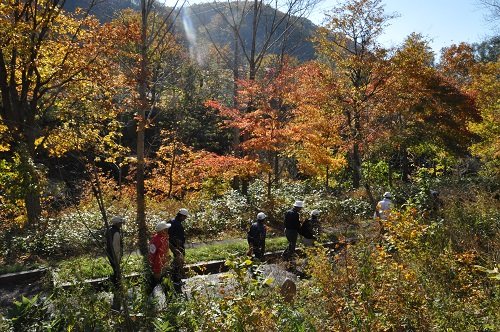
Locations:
(159, 254)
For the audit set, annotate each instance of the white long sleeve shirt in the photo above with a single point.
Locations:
(383, 208)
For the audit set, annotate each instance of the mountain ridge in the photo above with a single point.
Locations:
(207, 23)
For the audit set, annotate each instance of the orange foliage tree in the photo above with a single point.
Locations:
(179, 169)
(314, 132)
(348, 44)
(427, 110)
(263, 121)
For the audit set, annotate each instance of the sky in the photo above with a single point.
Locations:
(442, 22)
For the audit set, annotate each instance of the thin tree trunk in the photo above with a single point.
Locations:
(252, 63)
(171, 173)
(143, 104)
(276, 168)
(405, 167)
(356, 166)
(327, 177)
(269, 184)
(368, 189)
(235, 183)
(389, 175)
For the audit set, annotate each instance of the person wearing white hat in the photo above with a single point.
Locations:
(158, 252)
(114, 251)
(292, 227)
(384, 207)
(310, 229)
(256, 237)
(177, 242)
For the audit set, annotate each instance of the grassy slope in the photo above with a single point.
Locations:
(86, 267)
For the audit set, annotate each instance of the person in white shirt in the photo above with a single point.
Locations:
(384, 207)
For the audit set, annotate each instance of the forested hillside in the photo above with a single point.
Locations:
(206, 21)
(103, 10)
(208, 124)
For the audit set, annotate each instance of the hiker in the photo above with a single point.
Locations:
(257, 237)
(114, 251)
(383, 208)
(158, 253)
(177, 241)
(292, 226)
(436, 203)
(310, 229)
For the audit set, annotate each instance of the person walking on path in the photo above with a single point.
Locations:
(384, 207)
(177, 242)
(158, 253)
(310, 229)
(257, 237)
(292, 227)
(114, 251)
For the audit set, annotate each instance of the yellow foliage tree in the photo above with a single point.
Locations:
(53, 85)
(487, 87)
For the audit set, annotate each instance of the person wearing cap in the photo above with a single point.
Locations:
(177, 241)
(114, 251)
(310, 229)
(383, 207)
(257, 237)
(158, 252)
(292, 227)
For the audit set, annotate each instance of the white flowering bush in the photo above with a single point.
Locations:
(211, 217)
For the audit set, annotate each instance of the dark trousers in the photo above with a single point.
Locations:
(258, 251)
(291, 236)
(178, 265)
(116, 280)
(116, 276)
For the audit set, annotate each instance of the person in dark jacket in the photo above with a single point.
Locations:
(257, 237)
(292, 227)
(177, 240)
(310, 229)
(114, 251)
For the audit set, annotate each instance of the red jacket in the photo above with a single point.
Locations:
(158, 252)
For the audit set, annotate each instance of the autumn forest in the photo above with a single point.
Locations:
(232, 108)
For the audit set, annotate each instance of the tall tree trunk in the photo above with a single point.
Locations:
(30, 175)
(372, 200)
(405, 166)
(389, 174)
(143, 104)
(252, 66)
(356, 154)
(356, 166)
(31, 182)
(269, 184)
(235, 183)
(327, 177)
(171, 172)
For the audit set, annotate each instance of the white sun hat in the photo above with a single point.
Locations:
(184, 212)
(261, 216)
(117, 220)
(161, 226)
(315, 213)
(299, 204)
